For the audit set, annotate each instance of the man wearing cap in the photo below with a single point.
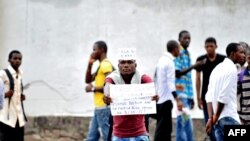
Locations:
(127, 127)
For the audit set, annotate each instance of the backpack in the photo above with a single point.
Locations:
(11, 80)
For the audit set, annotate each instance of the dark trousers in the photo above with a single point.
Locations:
(205, 112)
(164, 121)
(8, 133)
(110, 128)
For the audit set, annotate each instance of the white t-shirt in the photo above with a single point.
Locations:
(223, 88)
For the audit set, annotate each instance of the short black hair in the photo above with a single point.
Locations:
(12, 52)
(102, 45)
(182, 32)
(211, 40)
(171, 45)
(232, 47)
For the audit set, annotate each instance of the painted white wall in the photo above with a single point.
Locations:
(56, 38)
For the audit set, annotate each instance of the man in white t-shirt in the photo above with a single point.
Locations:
(221, 96)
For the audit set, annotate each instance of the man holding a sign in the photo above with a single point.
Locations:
(129, 99)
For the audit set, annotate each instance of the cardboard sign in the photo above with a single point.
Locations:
(132, 99)
(127, 54)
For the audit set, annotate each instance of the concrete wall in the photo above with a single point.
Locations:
(56, 38)
(51, 128)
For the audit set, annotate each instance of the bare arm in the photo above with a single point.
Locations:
(198, 88)
(220, 107)
(107, 99)
(89, 77)
(210, 122)
(98, 89)
(179, 73)
(210, 110)
(91, 88)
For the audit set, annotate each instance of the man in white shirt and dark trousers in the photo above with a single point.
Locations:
(221, 96)
(12, 117)
(165, 88)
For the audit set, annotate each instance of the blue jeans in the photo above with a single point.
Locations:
(138, 138)
(184, 124)
(99, 120)
(219, 127)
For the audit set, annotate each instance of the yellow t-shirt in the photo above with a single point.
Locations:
(105, 67)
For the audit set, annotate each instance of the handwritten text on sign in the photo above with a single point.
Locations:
(132, 99)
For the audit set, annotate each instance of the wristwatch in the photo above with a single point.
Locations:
(93, 89)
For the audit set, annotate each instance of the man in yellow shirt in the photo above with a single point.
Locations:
(102, 111)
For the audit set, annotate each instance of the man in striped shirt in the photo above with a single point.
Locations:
(243, 92)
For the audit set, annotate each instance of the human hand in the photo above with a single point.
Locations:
(23, 97)
(209, 126)
(9, 94)
(200, 103)
(200, 63)
(92, 58)
(107, 100)
(179, 104)
(89, 88)
(155, 98)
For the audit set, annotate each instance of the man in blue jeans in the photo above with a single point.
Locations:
(102, 111)
(221, 96)
(184, 89)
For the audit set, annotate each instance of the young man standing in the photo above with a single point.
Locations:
(221, 95)
(165, 88)
(184, 89)
(102, 111)
(212, 59)
(12, 117)
(243, 92)
(127, 127)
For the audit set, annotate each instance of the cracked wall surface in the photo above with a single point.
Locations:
(56, 38)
